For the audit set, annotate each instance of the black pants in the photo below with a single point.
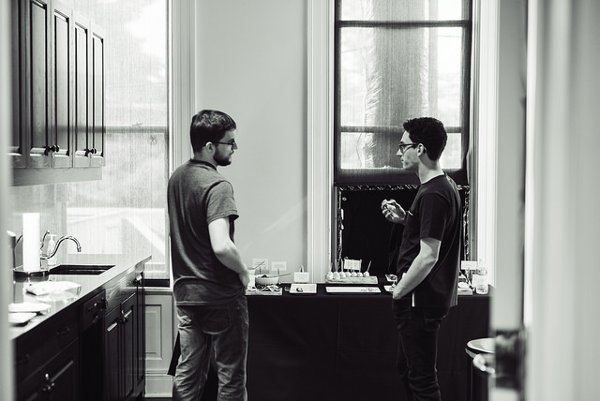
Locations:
(417, 349)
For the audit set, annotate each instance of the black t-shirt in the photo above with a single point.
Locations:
(198, 195)
(434, 213)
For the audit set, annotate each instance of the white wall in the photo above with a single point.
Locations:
(251, 63)
(6, 374)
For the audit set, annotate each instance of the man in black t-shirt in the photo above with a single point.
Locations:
(428, 258)
(208, 273)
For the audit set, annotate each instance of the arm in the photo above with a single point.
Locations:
(225, 250)
(420, 267)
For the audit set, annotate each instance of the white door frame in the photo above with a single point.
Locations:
(6, 362)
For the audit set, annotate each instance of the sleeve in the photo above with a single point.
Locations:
(220, 202)
(435, 212)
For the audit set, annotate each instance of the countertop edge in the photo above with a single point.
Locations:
(90, 284)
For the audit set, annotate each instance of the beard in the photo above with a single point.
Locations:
(222, 161)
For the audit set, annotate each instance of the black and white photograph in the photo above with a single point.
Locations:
(299, 200)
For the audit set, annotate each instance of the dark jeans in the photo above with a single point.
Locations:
(220, 332)
(417, 349)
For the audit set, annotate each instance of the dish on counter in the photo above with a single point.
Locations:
(20, 318)
(35, 307)
(303, 288)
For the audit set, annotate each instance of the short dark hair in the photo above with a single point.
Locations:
(430, 132)
(209, 126)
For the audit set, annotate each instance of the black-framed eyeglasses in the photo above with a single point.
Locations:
(403, 146)
(232, 144)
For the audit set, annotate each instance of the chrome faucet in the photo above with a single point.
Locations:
(52, 252)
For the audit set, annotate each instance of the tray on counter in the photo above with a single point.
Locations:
(369, 280)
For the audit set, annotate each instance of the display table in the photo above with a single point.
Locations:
(343, 347)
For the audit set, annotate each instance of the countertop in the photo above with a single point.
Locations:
(89, 285)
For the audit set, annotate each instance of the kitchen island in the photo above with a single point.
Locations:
(89, 344)
(343, 347)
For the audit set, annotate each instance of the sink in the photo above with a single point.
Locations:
(80, 269)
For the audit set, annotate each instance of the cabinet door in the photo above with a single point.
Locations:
(57, 380)
(82, 146)
(64, 378)
(129, 311)
(112, 362)
(97, 78)
(61, 127)
(18, 144)
(140, 333)
(37, 73)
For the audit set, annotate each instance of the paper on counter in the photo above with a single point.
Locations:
(352, 290)
(51, 287)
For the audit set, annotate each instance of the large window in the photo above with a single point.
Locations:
(395, 60)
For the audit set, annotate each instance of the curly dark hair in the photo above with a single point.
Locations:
(430, 132)
(209, 126)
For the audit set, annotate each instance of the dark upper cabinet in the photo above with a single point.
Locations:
(37, 72)
(58, 86)
(98, 124)
(82, 85)
(17, 148)
(62, 126)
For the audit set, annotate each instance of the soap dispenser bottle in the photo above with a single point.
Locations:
(51, 246)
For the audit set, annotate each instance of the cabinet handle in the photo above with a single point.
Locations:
(95, 319)
(91, 308)
(48, 149)
(49, 386)
(124, 318)
(64, 331)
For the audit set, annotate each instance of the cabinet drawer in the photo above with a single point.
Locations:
(34, 351)
(93, 309)
(56, 379)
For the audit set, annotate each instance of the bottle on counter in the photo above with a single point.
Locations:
(480, 283)
(51, 246)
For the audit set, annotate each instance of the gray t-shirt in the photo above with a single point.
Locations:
(197, 196)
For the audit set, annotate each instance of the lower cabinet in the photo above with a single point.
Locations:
(56, 380)
(124, 349)
(119, 337)
(94, 351)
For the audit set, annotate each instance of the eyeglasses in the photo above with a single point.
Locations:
(232, 144)
(404, 146)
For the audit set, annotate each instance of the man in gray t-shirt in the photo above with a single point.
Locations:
(209, 276)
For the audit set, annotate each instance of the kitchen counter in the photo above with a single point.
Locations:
(90, 284)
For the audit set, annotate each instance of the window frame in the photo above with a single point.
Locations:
(375, 176)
